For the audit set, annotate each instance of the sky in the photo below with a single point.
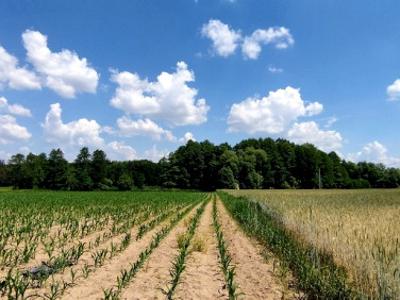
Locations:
(140, 78)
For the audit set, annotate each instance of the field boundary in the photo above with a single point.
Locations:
(316, 273)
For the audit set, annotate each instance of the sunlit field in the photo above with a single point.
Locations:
(360, 228)
(127, 245)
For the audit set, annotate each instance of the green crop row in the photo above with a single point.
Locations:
(316, 272)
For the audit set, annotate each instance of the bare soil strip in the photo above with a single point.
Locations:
(41, 255)
(86, 259)
(253, 274)
(105, 276)
(154, 278)
(203, 278)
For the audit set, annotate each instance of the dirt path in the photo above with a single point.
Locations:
(254, 276)
(203, 278)
(154, 277)
(105, 276)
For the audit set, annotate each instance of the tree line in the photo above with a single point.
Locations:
(252, 164)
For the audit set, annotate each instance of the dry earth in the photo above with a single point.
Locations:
(202, 278)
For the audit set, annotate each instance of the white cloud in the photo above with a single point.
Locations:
(271, 114)
(224, 39)
(309, 132)
(144, 127)
(330, 122)
(121, 151)
(11, 131)
(154, 154)
(16, 77)
(275, 69)
(280, 37)
(377, 153)
(82, 132)
(63, 72)
(314, 108)
(188, 136)
(169, 98)
(393, 90)
(14, 109)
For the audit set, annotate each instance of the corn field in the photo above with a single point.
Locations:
(125, 245)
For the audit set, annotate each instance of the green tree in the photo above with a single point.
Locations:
(35, 169)
(82, 170)
(125, 182)
(57, 170)
(98, 170)
(226, 178)
(18, 176)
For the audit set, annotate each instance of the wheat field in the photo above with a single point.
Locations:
(360, 228)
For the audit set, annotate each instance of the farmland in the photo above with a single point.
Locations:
(129, 245)
(359, 229)
(234, 244)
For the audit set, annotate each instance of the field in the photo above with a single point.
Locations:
(129, 245)
(360, 229)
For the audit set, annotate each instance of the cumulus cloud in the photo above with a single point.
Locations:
(377, 153)
(393, 90)
(188, 136)
(82, 132)
(271, 114)
(279, 37)
(14, 109)
(168, 98)
(145, 127)
(64, 72)
(121, 151)
(309, 132)
(11, 131)
(224, 39)
(14, 76)
(154, 154)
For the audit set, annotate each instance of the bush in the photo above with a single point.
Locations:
(125, 182)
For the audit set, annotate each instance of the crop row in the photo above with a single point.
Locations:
(115, 219)
(224, 257)
(126, 275)
(316, 272)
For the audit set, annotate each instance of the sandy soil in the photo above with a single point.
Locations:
(254, 276)
(86, 258)
(154, 277)
(203, 278)
(41, 255)
(105, 276)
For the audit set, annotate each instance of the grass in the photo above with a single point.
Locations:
(358, 229)
(199, 244)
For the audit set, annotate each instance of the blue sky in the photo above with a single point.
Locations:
(312, 71)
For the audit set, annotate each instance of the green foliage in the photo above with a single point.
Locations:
(251, 164)
(224, 256)
(125, 182)
(316, 272)
(28, 217)
(178, 266)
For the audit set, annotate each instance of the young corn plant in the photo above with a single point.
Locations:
(178, 265)
(224, 256)
(128, 274)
